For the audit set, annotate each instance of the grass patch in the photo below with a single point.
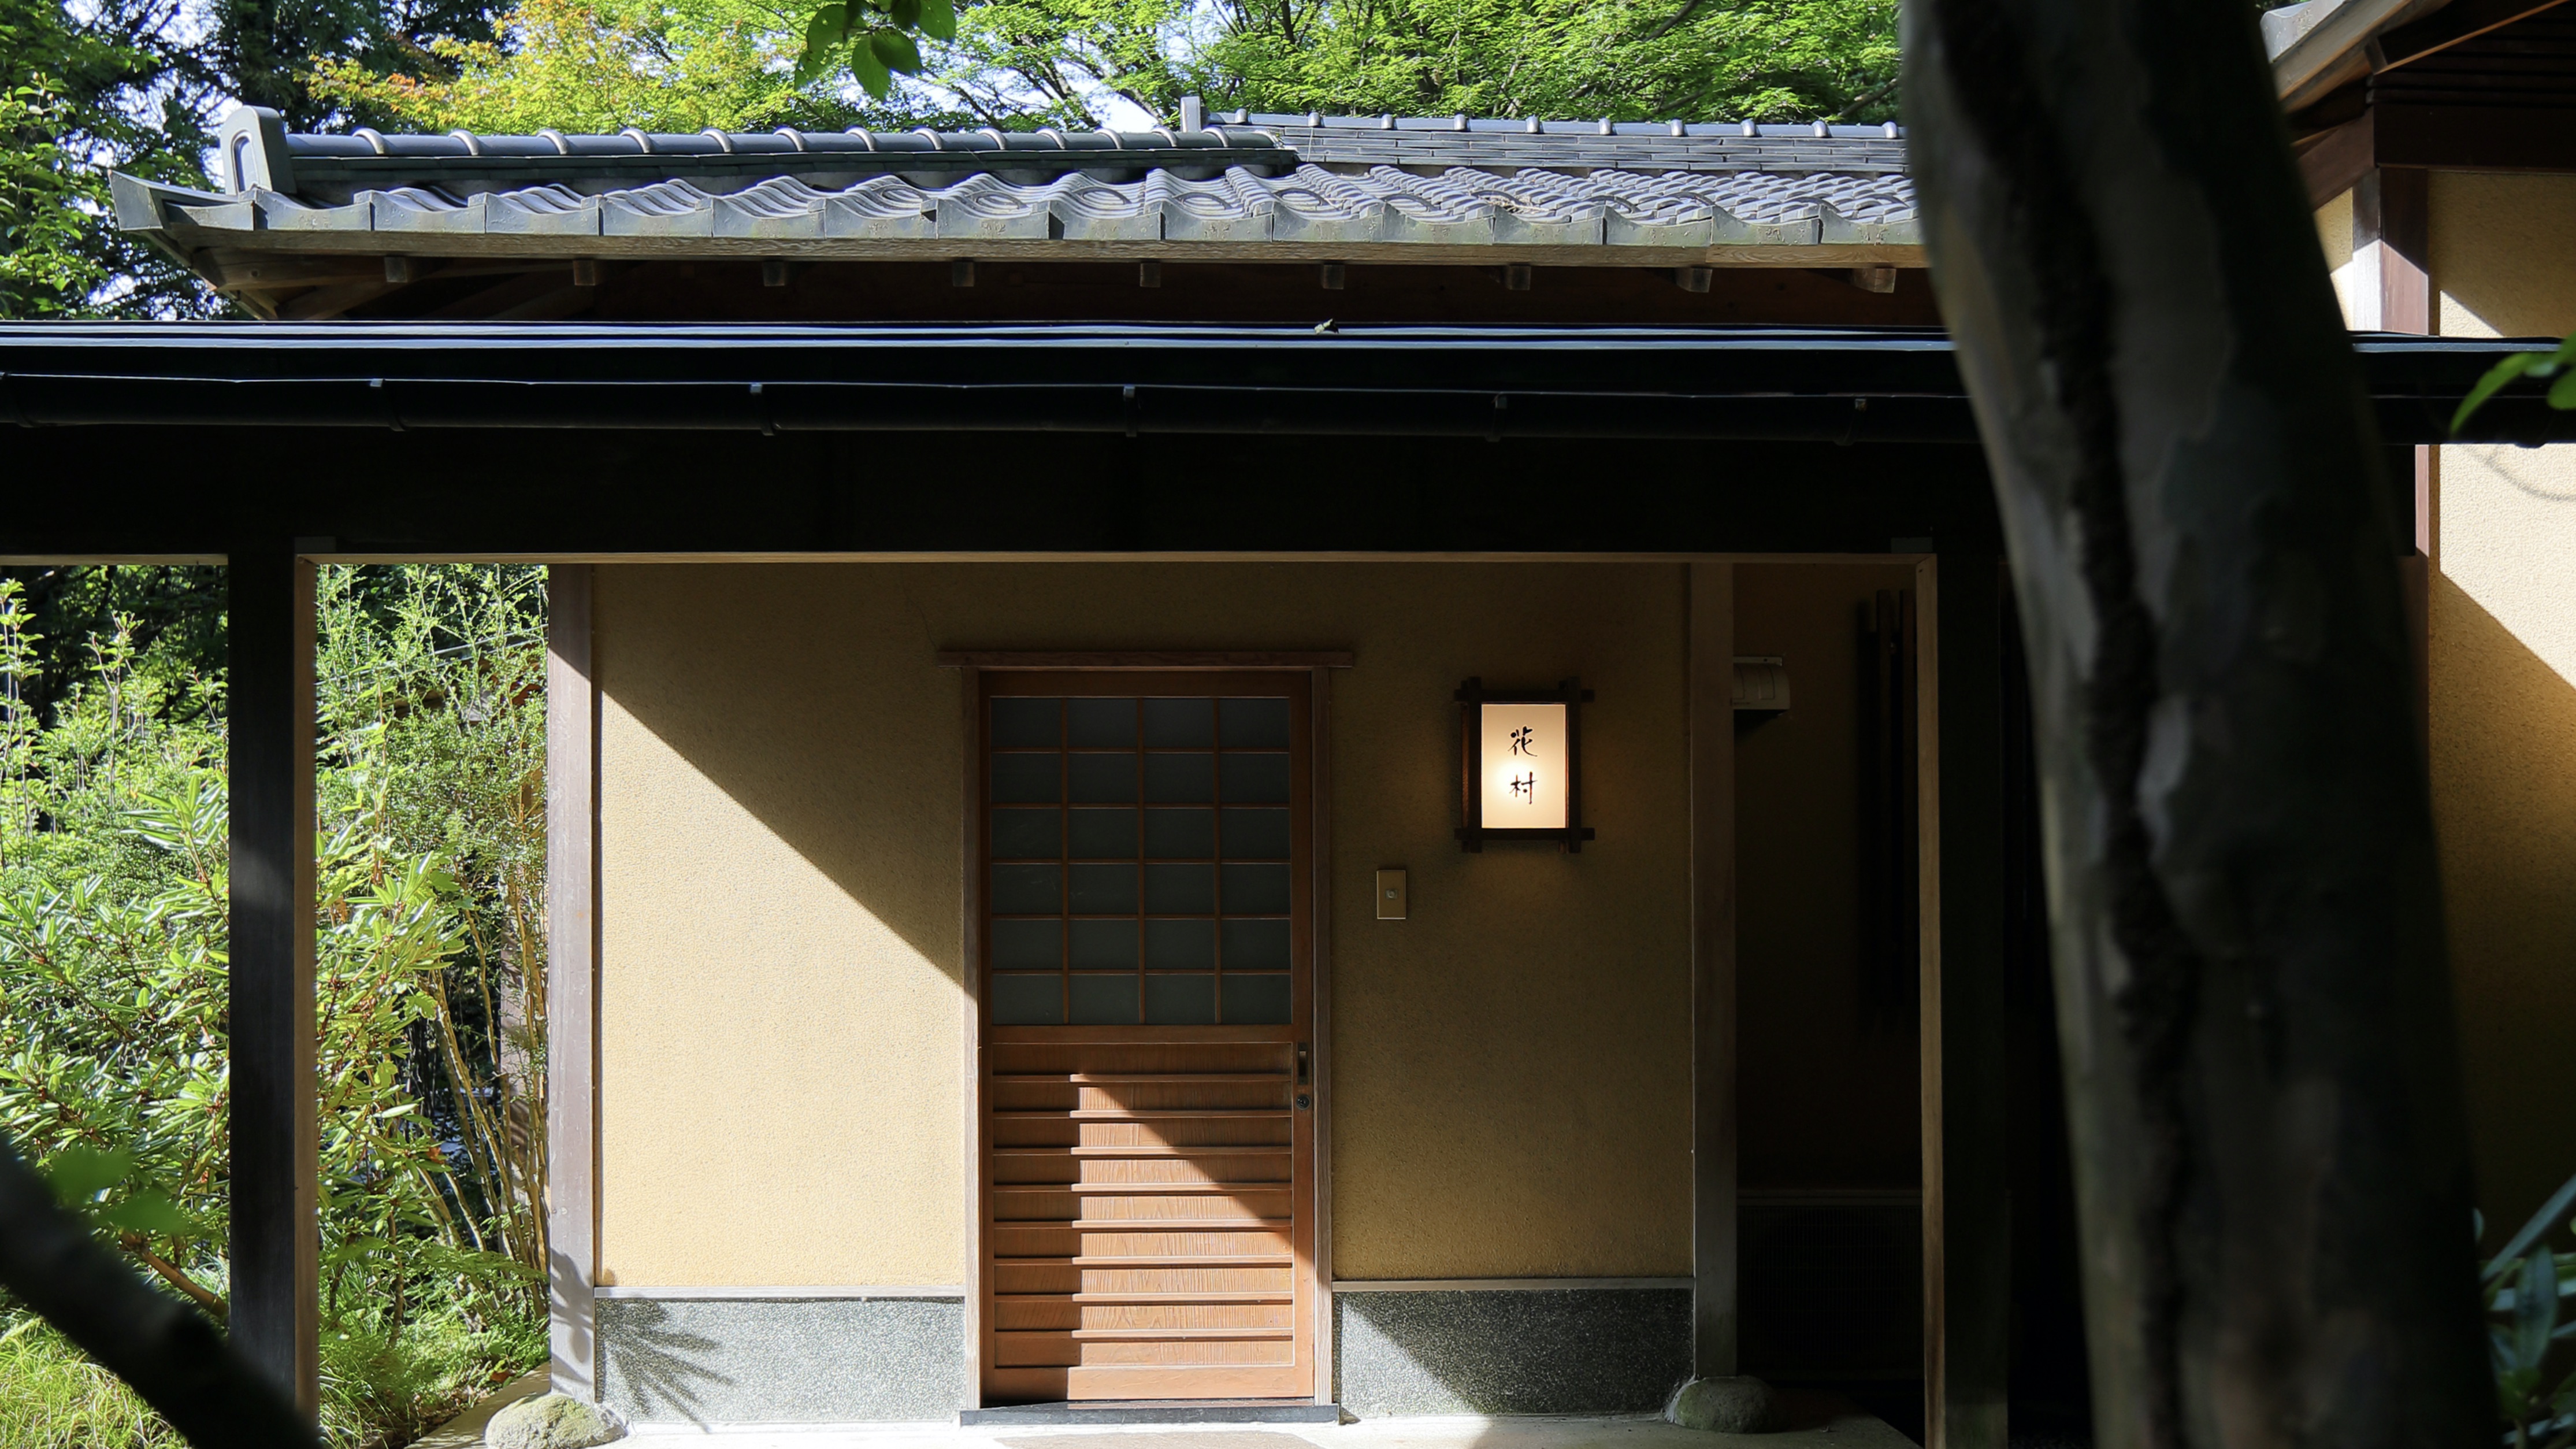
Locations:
(376, 1393)
(53, 1397)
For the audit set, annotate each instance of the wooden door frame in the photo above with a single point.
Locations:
(1315, 1271)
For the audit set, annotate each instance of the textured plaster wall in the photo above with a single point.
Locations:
(2503, 687)
(780, 1017)
(779, 1012)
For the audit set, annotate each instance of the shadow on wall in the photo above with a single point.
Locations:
(649, 1364)
(2504, 771)
(848, 755)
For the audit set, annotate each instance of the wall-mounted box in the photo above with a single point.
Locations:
(1390, 895)
(1761, 683)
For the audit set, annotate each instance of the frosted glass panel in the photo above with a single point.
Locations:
(1141, 863)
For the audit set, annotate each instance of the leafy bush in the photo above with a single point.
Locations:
(2525, 1284)
(429, 1007)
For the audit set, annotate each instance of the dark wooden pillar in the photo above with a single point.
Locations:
(1967, 1227)
(2392, 234)
(275, 1238)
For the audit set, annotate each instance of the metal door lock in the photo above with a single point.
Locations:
(1304, 1101)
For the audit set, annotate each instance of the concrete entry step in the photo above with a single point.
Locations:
(1157, 1411)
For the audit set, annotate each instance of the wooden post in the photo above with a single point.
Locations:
(2262, 1089)
(572, 993)
(1715, 1326)
(1967, 1226)
(2392, 236)
(276, 1303)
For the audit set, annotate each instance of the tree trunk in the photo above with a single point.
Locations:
(2262, 1087)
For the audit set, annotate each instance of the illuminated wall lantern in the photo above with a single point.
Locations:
(1523, 758)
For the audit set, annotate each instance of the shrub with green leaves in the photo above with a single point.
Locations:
(2525, 1285)
(114, 1074)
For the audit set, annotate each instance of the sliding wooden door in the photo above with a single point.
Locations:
(1148, 988)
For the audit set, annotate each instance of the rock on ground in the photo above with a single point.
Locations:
(553, 1421)
(1740, 1405)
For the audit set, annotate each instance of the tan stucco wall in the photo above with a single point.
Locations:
(781, 1065)
(2334, 237)
(779, 1012)
(2503, 698)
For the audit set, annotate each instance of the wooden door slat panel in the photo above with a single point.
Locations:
(1104, 1079)
(1203, 1188)
(1186, 1280)
(1246, 1382)
(1175, 1352)
(1144, 1260)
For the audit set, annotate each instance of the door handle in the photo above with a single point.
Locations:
(1305, 1078)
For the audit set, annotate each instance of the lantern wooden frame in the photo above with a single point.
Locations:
(1472, 697)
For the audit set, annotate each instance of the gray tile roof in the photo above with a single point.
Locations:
(1630, 145)
(1250, 186)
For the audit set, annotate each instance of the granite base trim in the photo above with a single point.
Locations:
(782, 1361)
(1195, 1411)
(1510, 1351)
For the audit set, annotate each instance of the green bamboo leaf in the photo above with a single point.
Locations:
(2562, 393)
(152, 1213)
(2535, 1311)
(2540, 1222)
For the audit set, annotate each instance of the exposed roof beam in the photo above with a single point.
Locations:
(2459, 21)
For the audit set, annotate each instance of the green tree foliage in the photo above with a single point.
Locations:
(1631, 60)
(77, 97)
(1025, 62)
(429, 995)
(597, 66)
(135, 85)
(741, 64)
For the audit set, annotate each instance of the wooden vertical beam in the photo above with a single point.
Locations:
(2392, 214)
(2392, 234)
(1715, 1327)
(970, 944)
(275, 1317)
(1967, 1237)
(572, 983)
(1319, 751)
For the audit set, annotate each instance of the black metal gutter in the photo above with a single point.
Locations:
(1785, 384)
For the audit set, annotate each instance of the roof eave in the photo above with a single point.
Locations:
(2335, 50)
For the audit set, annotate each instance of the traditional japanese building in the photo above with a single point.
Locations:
(1332, 765)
